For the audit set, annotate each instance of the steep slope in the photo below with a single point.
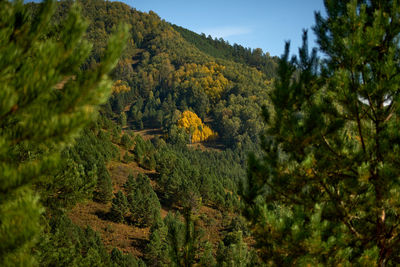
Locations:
(161, 78)
(130, 238)
(167, 75)
(219, 48)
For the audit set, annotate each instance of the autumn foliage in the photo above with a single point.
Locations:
(208, 76)
(120, 86)
(194, 126)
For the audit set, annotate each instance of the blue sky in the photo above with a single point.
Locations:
(266, 24)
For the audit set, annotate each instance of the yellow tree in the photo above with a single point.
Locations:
(195, 128)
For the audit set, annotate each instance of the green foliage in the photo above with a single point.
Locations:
(175, 237)
(70, 185)
(178, 136)
(55, 86)
(192, 241)
(125, 260)
(122, 119)
(219, 48)
(169, 72)
(128, 157)
(207, 257)
(233, 251)
(119, 207)
(126, 141)
(45, 100)
(104, 187)
(20, 226)
(65, 244)
(130, 183)
(326, 191)
(174, 243)
(144, 153)
(187, 175)
(116, 134)
(76, 177)
(239, 223)
(77, 248)
(158, 247)
(143, 201)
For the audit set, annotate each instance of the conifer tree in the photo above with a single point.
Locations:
(126, 141)
(45, 99)
(184, 239)
(207, 258)
(119, 207)
(122, 119)
(158, 247)
(127, 260)
(192, 243)
(327, 189)
(234, 253)
(104, 187)
(65, 244)
(130, 183)
(143, 201)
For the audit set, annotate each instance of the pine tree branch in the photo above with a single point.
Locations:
(359, 126)
(343, 214)
(279, 192)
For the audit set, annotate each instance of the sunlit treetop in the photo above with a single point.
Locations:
(194, 126)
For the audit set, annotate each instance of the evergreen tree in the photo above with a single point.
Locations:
(130, 183)
(70, 184)
(327, 189)
(128, 157)
(207, 258)
(116, 134)
(104, 187)
(120, 260)
(122, 119)
(44, 101)
(158, 247)
(233, 251)
(65, 244)
(143, 201)
(126, 141)
(119, 207)
(184, 239)
(192, 243)
(175, 237)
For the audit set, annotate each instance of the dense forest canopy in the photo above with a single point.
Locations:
(327, 187)
(125, 141)
(202, 108)
(39, 117)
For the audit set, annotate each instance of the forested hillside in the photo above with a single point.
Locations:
(128, 141)
(220, 48)
(154, 180)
